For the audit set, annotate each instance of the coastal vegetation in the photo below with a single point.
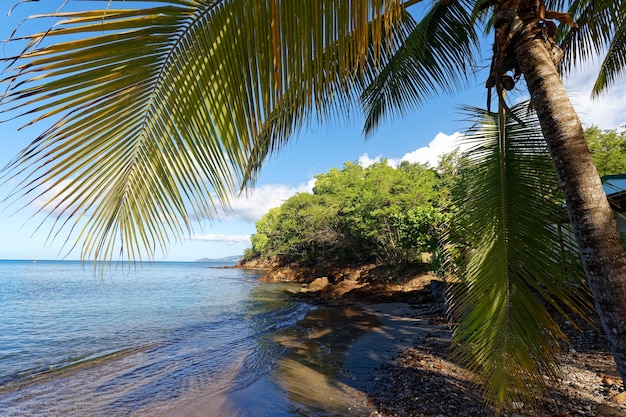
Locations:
(359, 214)
(494, 220)
(396, 214)
(163, 112)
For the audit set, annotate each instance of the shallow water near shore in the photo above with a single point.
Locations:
(136, 341)
(182, 339)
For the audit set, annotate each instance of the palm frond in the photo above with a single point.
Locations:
(333, 100)
(614, 62)
(598, 23)
(437, 55)
(157, 111)
(516, 262)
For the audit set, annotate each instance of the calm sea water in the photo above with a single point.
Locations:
(135, 341)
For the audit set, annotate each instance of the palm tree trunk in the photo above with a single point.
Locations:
(593, 221)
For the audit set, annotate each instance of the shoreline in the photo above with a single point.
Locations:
(393, 360)
(332, 371)
(418, 377)
(397, 362)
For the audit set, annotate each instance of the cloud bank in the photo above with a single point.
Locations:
(429, 154)
(228, 239)
(607, 111)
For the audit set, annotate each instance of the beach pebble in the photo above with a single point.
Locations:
(608, 381)
(423, 381)
(619, 398)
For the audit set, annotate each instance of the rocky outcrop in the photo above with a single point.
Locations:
(257, 263)
(331, 282)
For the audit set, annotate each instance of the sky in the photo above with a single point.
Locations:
(418, 136)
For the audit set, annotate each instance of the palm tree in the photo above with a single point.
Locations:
(130, 161)
(525, 45)
(600, 33)
(593, 221)
(161, 113)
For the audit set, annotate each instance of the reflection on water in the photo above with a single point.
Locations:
(311, 373)
(308, 380)
(329, 333)
(326, 369)
(135, 344)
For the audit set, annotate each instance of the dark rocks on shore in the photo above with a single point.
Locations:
(330, 283)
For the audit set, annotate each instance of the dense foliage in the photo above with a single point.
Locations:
(379, 213)
(608, 148)
(385, 214)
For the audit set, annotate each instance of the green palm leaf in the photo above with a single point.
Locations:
(437, 55)
(515, 257)
(600, 33)
(159, 113)
(615, 58)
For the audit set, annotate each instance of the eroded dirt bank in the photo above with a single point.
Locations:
(329, 283)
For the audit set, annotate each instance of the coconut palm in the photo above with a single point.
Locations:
(113, 79)
(164, 112)
(159, 114)
(601, 32)
(534, 54)
(525, 44)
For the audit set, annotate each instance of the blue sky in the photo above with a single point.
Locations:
(418, 136)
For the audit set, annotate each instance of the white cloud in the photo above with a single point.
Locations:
(248, 207)
(429, 154)
(608, 111)
(228, 239)
(62, 198)
(260, 200)
(365, 161)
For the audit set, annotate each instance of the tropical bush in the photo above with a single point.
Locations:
(379, 213)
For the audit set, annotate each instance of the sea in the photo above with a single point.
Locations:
(141, 340)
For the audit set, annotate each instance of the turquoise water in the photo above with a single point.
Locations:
(134, 341)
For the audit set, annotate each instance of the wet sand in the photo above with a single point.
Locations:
(328, 370)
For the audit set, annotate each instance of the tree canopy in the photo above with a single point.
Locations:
(608, 149)
(379, 213)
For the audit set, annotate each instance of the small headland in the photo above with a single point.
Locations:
(337, 283)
